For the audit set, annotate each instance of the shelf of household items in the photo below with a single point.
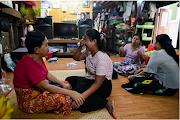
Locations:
(9, 10)
(65, 42)
(115, 21)
(25, 21)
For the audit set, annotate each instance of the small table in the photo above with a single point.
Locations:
(18, 52)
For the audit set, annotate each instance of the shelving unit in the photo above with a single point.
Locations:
(110, 41)
(147, 32)
(122, 37)
(63, 41)
(9, 40)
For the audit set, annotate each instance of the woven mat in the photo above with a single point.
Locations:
(60, 74)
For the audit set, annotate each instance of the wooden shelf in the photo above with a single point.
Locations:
(12, 12)
(119, 43)
(61, 54)
(62, 41)
(25, 21)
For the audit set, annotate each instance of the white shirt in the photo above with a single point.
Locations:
(100, 64)
(164, 68)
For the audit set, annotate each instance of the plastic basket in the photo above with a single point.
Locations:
(115, 21)
(148, 23)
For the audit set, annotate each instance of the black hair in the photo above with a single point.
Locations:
(165, 42)
(139, 36)
(34, 39)
(94, 34)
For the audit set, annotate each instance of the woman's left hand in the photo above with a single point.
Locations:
(131, 77)
(74, 105)
(66, 86)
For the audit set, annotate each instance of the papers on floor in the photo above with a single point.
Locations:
(72, 64)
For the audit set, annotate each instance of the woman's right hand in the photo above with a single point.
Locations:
(77, 97)
(121, 49)
(137, 71)
(82, 42)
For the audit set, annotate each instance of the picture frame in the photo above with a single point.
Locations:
(86, 3)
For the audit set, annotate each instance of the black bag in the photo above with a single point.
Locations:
(5, 25)
(138, 21)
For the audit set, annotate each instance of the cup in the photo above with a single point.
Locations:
(23, 42)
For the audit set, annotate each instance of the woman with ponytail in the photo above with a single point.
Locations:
(96, 86)
(161, 75)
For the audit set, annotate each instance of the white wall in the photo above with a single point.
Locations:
(173, 29)
(174, 26)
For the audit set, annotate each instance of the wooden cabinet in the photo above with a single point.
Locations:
(9, 40)
(5, 41)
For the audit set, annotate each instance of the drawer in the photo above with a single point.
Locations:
(5, 34)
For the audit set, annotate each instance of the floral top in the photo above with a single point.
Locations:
(133, 57)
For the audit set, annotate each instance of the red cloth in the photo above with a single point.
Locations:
(150, 47)
(29, 3)
(28, 72)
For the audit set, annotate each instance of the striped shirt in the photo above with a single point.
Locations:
(100, 64)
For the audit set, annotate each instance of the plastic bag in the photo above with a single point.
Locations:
(10, 64)
(4, 88)
(138, 21)
(5, 25)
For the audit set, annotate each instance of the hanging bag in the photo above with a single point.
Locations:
(5, 24)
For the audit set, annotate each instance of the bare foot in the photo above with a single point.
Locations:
(110, 107)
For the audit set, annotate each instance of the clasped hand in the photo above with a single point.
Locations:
(66, 86)
(78, 99)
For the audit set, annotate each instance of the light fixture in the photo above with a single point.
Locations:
(140, 1)
(94, 4)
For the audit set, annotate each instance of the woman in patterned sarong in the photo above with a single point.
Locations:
(34, 93)
(134, 55)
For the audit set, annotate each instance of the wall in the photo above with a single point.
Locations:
(174, 10)
(174, 23)
(58, 15)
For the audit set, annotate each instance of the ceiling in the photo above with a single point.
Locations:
(104, 4)
(110, 4)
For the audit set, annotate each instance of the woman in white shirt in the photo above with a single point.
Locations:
(96, 86)
(161, 73)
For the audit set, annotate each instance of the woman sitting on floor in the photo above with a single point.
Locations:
(134, 55)
(96, 86)
(34, 93)
(161, 76)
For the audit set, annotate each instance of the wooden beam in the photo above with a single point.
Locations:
(12, 12)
